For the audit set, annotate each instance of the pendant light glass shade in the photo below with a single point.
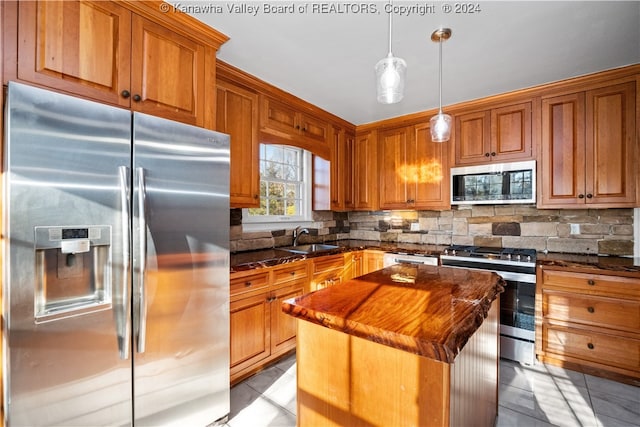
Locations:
(440, 123)
(440, 127)
(390, 75)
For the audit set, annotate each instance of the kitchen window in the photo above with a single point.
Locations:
(285, 186)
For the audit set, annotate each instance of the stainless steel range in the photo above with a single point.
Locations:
(517, 304)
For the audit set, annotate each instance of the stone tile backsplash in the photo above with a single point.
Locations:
(587, 231)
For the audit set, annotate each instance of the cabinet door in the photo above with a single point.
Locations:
(250, 330)
(313, 128)
(168, 74)
(277, 118)
(563, 151)
(511, 132)
(83, 48)
(366, 172)
(373, 261)
(430, 160)
(396, 173)
(342, 153)
(610, 140)
(473, 138)
(283, 326)
(237, 115)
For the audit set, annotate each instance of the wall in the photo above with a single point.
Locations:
(589, 231)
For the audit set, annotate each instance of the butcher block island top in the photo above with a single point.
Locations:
(402, 346)
(426, 310)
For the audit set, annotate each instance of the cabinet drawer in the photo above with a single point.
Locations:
(328, 263)
(249, 283)
(290, 272)
(605, 312)
(600, 348)
(627, 287)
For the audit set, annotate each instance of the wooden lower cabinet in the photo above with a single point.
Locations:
(259, 331)
(373, 260)
(327, 271)
(589, 321)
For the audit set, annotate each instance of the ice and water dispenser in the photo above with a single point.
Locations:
(73, 271)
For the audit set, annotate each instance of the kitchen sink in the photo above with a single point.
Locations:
(306, 249)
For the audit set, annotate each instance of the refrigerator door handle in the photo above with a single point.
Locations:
(123, 313)
(142, 306)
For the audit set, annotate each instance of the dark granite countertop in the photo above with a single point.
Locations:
(426, 310)
(242, 261)
(269, 257)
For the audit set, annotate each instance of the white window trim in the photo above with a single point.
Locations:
(257, 223)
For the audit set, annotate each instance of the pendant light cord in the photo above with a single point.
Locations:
(440, 75)
(390, 26)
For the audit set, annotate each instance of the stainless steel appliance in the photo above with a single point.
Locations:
(517, 304)
(115, 268)
(494, 183)
(390, 258)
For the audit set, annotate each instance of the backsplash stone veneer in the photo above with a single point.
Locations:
(586, 231)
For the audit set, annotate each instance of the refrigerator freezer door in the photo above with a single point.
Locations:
(181, 273)
(64, 305)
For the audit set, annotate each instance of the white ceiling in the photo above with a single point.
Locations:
(328, 59)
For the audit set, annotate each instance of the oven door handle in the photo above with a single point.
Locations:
(516, 277)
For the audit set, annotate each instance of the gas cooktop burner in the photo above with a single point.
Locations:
(488, 252)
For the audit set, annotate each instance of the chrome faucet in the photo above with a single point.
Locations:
(296, 234)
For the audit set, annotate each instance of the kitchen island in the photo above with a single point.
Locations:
(405, 345)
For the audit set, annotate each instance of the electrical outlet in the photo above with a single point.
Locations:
(415, 226)
(575, 228)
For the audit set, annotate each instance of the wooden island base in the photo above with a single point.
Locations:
(344, 380)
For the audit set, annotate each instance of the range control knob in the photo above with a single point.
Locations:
(453, 252)
(518, 257)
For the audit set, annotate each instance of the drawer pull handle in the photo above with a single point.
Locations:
(591, 346)
(590, 309)
(591, 282)
(247, 284)
(293, 273)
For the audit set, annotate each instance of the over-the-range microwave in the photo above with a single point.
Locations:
(494, 183)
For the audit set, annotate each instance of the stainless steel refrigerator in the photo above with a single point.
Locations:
(115, 266)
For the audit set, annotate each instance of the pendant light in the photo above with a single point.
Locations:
(440, 123)
(390, 74)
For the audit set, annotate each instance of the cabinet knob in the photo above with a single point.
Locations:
(248, 284)
(493, 153)
(298, 127)
(293, 273)
(304, 129)
(590, 309)
(255, 196)
(137, 98)
(125, 93)
(591, 282)
(487, 154)
(591, 346)
(589, 196)
(580, 196)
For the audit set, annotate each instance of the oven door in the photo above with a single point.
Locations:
(517, 317)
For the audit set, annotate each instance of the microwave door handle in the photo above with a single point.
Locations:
(123, 309)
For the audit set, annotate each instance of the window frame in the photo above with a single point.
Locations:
(266, 222)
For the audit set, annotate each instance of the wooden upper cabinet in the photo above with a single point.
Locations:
(496, 135)
(237, 115)
(78, 47)
(168, 74)
(395, 170)
(282, 123)
(365, 173)
(107, 52)
(431, 165)
(588, 148)
(413, 170)
(342, 152)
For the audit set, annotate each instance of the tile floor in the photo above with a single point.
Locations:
(529, 396)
